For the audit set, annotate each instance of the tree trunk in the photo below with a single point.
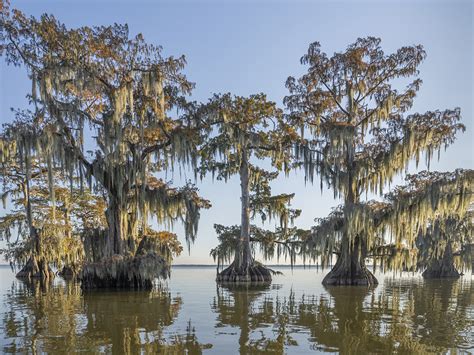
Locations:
(443, 268)
(244, 268)
(350, 266)
(70, 272)
(125, 272)
(116, 228)
(350, 269)
(36, 267)
(244, 256)
(112, 261)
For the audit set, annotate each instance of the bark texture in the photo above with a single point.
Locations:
(36, 267)
(111, 258)
(350, 269)
(117, 223)
(443, 268)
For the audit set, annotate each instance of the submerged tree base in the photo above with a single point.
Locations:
(128, 272)
(444, 268)
(438, 270)
(344, 275)
(255, 272)
(70, 272)
(35, 269)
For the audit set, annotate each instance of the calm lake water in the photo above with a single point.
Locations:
(190, 314)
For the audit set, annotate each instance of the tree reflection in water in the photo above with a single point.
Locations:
(404, 317)
(46, 318)
(251, 309)
(440, 312)
(400, 316)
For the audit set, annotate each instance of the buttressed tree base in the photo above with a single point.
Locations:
(351, 270)
(254, 272)
(109, 115)
(444, 268)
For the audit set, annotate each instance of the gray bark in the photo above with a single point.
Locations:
(115, 235)
(350, 269)
(245, 259)
(244, 268)
(36, 267)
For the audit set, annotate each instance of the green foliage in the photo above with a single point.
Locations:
(280, 244)
(360, 134)
(57, 226)
(238, 125)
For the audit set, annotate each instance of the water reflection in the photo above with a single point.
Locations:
(45, 318)
(403, 317)
(400, 316)
(439, 312)
(255, 314)
(359, 321)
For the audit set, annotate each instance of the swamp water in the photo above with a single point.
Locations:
(190, 314)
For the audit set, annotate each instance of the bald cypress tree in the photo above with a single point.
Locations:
(410, 229)
(433, 212)
(110, 110)
(38, 233)
(360, 134)
(243, 130)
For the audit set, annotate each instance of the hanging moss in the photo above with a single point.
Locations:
(359, 137)
(242, 130)
(121, 90)
(282, 244)
(124, 272)
(36, 269)
(443, 268)
(404, 232)
(47, 231)
(70, 272)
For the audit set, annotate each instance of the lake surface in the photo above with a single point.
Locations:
(190, 314)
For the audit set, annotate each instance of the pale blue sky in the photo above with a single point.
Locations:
(248, 47)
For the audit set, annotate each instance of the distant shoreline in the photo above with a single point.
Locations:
(268, 265)
(215, 266)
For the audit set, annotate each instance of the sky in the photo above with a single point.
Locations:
(247, 47)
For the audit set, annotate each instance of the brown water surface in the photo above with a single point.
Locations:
(190, 314)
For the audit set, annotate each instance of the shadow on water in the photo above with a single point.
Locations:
(60, 318)
(403, 315)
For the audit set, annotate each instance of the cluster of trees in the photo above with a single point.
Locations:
(109, 114)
